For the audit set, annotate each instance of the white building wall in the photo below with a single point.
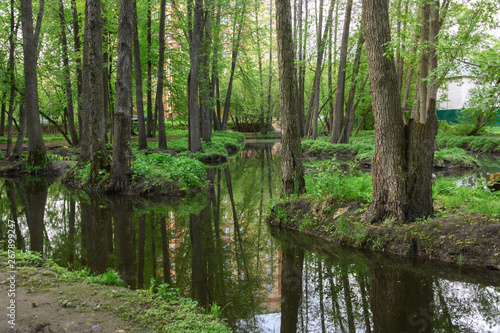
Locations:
(454, 93)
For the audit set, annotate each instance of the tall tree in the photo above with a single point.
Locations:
(162, 138)
(93, 139)
(78, 47)
(36, 147)
(12, 81)
(338, 112)
(143, 144)
(292, 170)
(193, 105)
(149, 121)
(120, 166)
(67, 82)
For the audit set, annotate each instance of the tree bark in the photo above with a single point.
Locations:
(206, 102)
(36, 147)
(12, 48)
(388, 166)
(78, 60)
(67, 82)
(93, 139)
(162, 137)
(194, 111)
(149, 121)
(338, 112)
(234, 56)
(345, 133)
(120, 166)
(143, 144)
(317, 76)
(292, 174)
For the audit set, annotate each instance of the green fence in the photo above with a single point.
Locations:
(451, 116)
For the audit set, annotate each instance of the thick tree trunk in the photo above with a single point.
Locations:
(36, 147)
(143, 144)
(270, 74)
(67, 82)
(162, 137)
(194, 111)
(120, 165)
(388, 166)
(93, 139)
(292, 173)
(338, 112)
(402, 164)
(301, 67)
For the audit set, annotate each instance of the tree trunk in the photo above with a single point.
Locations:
(143, 144)
(402, 164)
(301, 69)
(16, 153)
(120, 166)
(67, 82)
(338, 112)
(206, 102)
(149, 121)
(292, 174)
(78, 47)
(194, 112)
(270, 75)
(388, 166)
(12, 48)
(234, 56)
(93, 139)
(345, 133)
(36, 147)
(162, 137)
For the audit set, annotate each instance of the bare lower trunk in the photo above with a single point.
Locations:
(36, 147)
(162, 139)
(292, 173)
(120, 165)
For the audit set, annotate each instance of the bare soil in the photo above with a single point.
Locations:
(44, 304)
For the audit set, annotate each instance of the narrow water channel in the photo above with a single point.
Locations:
(217, 248)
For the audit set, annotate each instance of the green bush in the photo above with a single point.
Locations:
(456, 155)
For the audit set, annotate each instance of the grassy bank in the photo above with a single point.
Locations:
(465, 229)
(76, 301)
(454, 149)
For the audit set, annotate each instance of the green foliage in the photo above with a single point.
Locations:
(328, 179)
(188, 172)
(453, 139)
(110, 277)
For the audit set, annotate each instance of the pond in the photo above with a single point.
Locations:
(216, 247)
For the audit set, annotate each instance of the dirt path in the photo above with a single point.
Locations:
(51, 306)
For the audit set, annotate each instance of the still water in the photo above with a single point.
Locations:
(217, 248)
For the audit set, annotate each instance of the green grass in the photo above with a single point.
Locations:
(326, 179)
(456, 155)
(477, 199)
(190, 173)
(46, 138)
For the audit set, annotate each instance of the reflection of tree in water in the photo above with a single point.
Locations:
(33, 195)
